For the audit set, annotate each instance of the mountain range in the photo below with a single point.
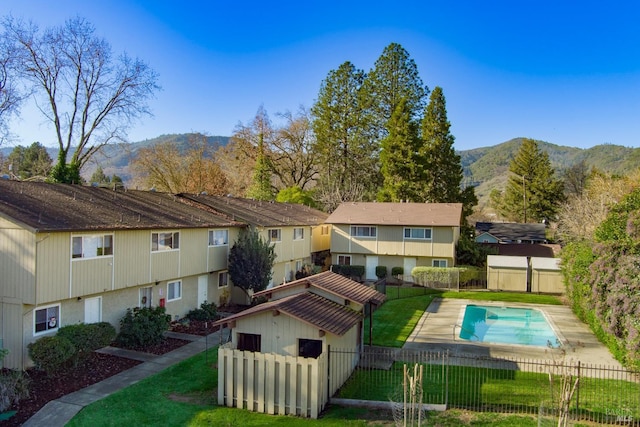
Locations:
(485, 168)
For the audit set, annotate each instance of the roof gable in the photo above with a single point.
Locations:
(408, 214)
(333, 283)
(312, 309)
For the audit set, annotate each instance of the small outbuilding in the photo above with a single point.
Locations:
(277, 360)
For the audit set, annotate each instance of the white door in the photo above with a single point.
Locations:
(409, 264)
(370, 269)
(287, 272)
(203, 287)
(93, 310)
(146, 297)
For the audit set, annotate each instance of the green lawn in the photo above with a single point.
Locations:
(395, 320)
(503, 390)
(185, 394)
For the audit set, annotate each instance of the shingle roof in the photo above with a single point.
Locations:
(61, 207)
(310, 308)
(259, 213)
(335, 284)
(410, 214)
(512, 231)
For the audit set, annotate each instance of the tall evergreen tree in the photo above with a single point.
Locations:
(28, 162)
(442, 171)
(250, 261)
(398, 158)
(533, 193)
(393, 79)
(346, 155)
(261, 186)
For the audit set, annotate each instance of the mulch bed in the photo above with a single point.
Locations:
(44, 388)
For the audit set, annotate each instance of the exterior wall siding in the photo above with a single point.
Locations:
(53, 267)
(193, 256)
(132, 257)
(319, 241)
(279, 334)
(11, 334)
(19, 262)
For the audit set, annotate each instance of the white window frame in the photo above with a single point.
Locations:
(48, 327)
(298, 233)
(411, 231)
(225, 275)
(99, 247)
(324, 230)
(439, 261)
(364, 231)
(155, 243)
(177, 285)
(222, 240)
(344, 258)
(278, 235)
(299, 265)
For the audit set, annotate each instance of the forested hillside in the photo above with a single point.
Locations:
(485, 167)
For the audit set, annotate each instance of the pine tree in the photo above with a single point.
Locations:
(441, 168)
(533, 193)
(393, 79)
(398, 162)
(346, 156)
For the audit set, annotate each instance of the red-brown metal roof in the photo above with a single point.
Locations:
(312, 309)
(333, 283)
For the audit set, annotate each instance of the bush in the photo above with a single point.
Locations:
(51, 353)
(206, 312)
(143, 326)
(381, 271)
(397, 271)
(14, 385)
(348, 270)
(87, 338)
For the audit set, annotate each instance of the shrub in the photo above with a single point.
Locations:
(14, 385)
(143, 326)
(51, 353)
(397, 271)
(207, 311)
(381, 271)
(348, 270)
(89, 337)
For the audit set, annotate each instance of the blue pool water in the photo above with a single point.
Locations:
(506, 325)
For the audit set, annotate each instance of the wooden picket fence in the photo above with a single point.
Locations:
(271, 383)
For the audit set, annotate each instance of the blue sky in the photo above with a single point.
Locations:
(565, 72)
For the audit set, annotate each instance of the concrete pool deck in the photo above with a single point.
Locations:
(439, 327)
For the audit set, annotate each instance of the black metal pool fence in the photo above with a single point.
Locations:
(547, 389)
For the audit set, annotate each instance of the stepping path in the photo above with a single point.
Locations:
(60, 411)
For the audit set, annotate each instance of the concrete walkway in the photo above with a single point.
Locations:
(439, 327)
(60, 411)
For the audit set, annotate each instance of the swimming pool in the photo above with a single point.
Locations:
(507, 325)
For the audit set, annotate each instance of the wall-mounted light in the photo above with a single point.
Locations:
(157, 283)
(79, 298)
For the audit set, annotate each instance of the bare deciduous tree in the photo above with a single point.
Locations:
(165, 168)
(292, 159)
(89, 96)
(10, 93)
